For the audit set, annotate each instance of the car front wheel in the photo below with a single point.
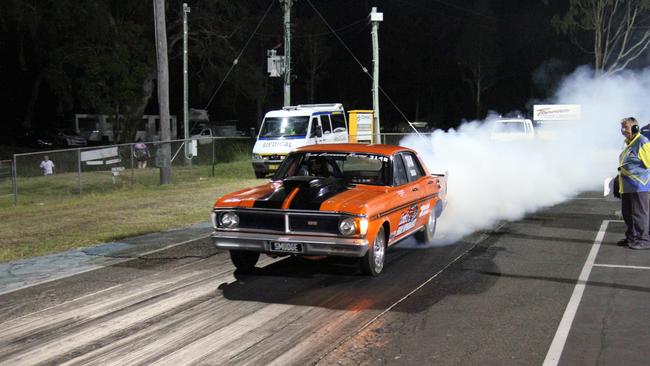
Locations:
(373, 262)
(244, 260)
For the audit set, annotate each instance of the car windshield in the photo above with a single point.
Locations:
(357, 168)
(278, 127)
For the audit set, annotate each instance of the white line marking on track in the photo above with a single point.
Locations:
(555, 351)
(619, 266)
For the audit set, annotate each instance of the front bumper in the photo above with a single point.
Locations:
(311, 245)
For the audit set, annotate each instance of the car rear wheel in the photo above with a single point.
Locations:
(373, 262)
(244, 260)
(426, 235)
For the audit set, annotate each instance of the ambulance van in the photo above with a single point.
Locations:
(294, 126)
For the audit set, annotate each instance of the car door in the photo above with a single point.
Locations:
(314, 127)
(325, 122)
(420, 185)
(405, 195)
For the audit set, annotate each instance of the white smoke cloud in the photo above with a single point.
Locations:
(504, 180)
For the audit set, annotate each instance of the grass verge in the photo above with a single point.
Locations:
(45, 224)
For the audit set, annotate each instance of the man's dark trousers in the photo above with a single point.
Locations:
(635, 209)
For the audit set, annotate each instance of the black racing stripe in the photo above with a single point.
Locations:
(311, 196)
(274, 200)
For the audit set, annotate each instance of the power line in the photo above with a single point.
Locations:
(236, 60)
(339, 30)
(365, 70)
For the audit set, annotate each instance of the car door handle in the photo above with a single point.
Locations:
(415, 189)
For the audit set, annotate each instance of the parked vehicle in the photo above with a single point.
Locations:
(291, 127)
(203, 134)
(69, 138)
(348, 200)
(508, 129)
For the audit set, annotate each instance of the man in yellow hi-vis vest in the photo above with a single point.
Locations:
(634, 184)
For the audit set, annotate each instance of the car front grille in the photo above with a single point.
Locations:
(274, 221)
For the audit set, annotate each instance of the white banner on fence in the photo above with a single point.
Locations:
(98, 154)
(95, 162)
(113, 161)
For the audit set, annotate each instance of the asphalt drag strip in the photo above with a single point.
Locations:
(503, 303)
(495, 298)
(187, 305)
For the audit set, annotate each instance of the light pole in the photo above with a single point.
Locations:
(375, 18)
(186, 115)
(287, 51)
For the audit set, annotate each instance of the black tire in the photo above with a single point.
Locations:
(259, 175)
(244, 260)
(373, 262)
(426, 235)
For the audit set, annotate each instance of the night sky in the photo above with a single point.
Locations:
(420, 62)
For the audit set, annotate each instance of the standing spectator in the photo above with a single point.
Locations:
(47, 166)
(634, 184)
(141, 154)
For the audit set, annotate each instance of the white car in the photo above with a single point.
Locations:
(512, 129)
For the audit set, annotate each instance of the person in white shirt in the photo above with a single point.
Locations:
(47, 166)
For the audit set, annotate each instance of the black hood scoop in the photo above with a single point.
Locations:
(313, 191)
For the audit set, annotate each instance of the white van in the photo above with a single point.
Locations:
(295, 126)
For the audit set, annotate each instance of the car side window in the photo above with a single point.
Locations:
(413, 168)
(399, 173)
(325, 122)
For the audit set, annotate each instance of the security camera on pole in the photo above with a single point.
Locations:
(375, 18)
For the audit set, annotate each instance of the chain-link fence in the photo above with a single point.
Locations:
(6, 180)
(98, 169)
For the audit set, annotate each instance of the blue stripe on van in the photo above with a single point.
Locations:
(283, 138)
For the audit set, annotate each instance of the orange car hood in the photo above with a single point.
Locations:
(353, 199)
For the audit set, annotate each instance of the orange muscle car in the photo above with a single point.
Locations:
(351, 200)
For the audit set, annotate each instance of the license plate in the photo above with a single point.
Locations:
(286, 247)
(273, 166)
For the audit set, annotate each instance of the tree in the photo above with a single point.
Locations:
(617, 29)
(315, 50)
(477, 52)
(31, 25)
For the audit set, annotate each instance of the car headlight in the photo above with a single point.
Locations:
(229, 220)
(347, 226)
(257, 157)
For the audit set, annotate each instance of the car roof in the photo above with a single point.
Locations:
(379, 149)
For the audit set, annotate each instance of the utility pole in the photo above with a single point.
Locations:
(163, 155)
(287, 51)
(375, 18)
(186, 115)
